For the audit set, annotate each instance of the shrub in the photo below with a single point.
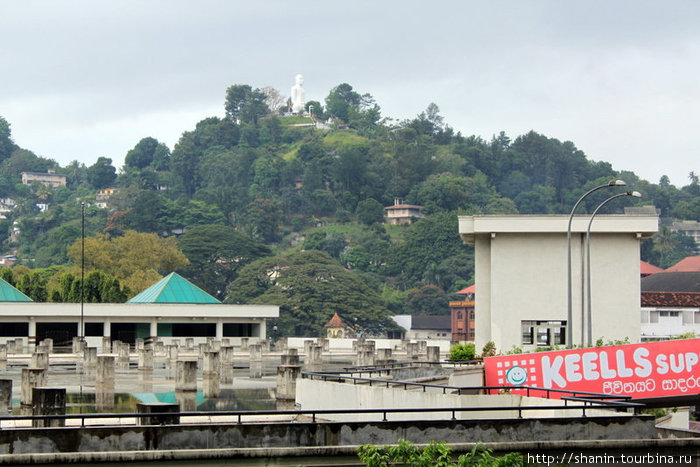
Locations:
(462, 352)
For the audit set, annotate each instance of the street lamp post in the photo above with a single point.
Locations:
(569, 304)
(81, 332)
(589, 313)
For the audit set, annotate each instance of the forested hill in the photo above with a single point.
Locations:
(260, 184)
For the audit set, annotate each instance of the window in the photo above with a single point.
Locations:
(459, 314)
(671, 314)
(471, 314)
(14, 329)
(543, 333)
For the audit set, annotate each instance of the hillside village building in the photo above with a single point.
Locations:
(402, 214)
(462, 313)
(520, 271)
(51, 178)
(172, 308)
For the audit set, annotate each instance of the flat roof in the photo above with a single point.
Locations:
(470, 226)
(137, 310)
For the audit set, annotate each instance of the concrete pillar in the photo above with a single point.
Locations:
(219, 329)
(187, 400)
(48, 344)
(226, 342)
(106, 345)
(255, 360)
(412, 351)
(19, 345)
(287, 381)
(105, 370)
(281, 344)
(210, 385)
(215, 346)
(90, 357)
(422, 347)
(5, 396)
(307, 346)
(40, 359)
(365, 356)
(202, 348)
(11, 346)
(433, 352)
(145, 359)
(186, 375)
(31, 378)
(383, 357)
(244, 343)
(212, 363)
(314, 360)
(104, 398)
(189, 343)
(78, 345)
(291, 357)
(175, 342)
(324, 343)
(115, 346)
(3, 352)
(172, 352)
(153, 328)
(404, 344)
(123, 354)
(48, 401)
(159, 348)
(140, 344)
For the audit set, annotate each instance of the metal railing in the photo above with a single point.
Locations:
(589, 399)
(313, 414)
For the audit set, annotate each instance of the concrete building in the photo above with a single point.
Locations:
(172, 308)
(520, 270)
(670, 305)
(51, 178)
(402, 214)
(425, 326)
(462, 313)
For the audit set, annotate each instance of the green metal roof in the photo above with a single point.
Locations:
(10, 294)
(173, 288)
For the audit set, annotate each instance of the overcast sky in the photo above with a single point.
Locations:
(83, 79)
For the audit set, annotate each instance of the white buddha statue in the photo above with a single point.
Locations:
(298, 95)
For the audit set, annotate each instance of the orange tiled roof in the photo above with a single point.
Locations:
(470, 289)
(689, 264)
(335, 322)
(647, 269)
(671, 299)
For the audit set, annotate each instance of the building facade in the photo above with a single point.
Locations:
(462, 313)
(521, 274)
(50, 178)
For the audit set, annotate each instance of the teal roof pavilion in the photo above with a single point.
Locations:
(174, 288)
(11, 294)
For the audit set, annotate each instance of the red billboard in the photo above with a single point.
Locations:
(654, 369)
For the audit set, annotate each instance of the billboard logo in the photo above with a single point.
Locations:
(516, 375)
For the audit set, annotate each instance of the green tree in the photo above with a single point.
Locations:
(33, 285)
(102, 173)
(245, 103)
(370, 211)
(427, 300)
(137, 259)
(217, 253)
(339, 101)
(7, 146)
(309, 286)
(99, 288)
(148, 152)
(429, 240)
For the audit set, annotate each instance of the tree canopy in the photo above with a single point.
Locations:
(309, 286)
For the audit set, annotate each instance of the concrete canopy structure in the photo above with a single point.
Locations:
(173, 308)
(520, 271)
